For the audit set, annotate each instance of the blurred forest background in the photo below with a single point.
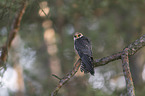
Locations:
(45, 46)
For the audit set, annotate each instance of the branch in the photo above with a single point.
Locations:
(67, 77)
(12, 34)
(16, 24)
(105, 60)
(132, 49)
(127, 73)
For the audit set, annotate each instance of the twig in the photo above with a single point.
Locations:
(56, 77)
(127, 73)
(42, 10)
(132, 49)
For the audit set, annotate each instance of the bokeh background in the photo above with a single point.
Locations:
(45, 46)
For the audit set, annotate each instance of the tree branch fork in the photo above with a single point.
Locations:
(123, 55)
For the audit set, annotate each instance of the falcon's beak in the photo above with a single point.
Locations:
(77, 36)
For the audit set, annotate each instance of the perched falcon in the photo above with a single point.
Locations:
(82, 45)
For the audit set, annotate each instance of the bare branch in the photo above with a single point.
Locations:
(106, 60)
(127, 73)
(66, 78)
(132, 49)
(12, 34)
(16, 24)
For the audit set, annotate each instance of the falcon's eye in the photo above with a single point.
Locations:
(79, 35)
(75, 36)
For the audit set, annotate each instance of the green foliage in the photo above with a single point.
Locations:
(109, 24)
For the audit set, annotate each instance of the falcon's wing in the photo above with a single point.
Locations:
(83, 46)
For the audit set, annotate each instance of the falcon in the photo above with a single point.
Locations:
(83, 47)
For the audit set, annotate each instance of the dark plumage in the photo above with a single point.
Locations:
(83, 47)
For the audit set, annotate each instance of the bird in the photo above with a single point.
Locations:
(83, 48)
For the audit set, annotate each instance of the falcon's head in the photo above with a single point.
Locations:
(77, 35)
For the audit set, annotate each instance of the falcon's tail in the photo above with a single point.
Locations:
(87, 64)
